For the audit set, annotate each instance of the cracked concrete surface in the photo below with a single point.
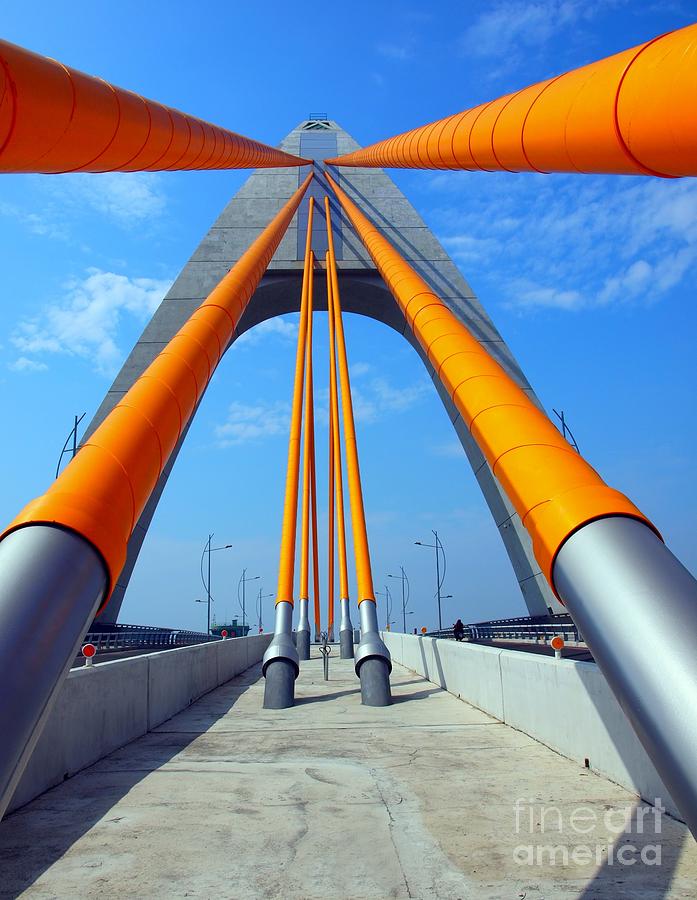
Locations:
(333, 800)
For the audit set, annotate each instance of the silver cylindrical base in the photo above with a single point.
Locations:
(281, 663)
(636, 606)
(282, 645)
(372, 647)
(303, 645)
(346, 630)
(375, 682)
(279, 687)
(346, 644)
(51, 584)
(302, 641)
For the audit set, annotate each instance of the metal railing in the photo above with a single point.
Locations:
(134, 638)
(531, 629)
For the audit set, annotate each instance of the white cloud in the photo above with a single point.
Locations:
(278, 327)
(466, 247)
(550, 297)
(85, 321)
(246, 423)
(570, 242)
(375, 398)
(58, 205)
(512, 30)
(41, 224)
(24, 364)
(506, 26)
(359, 369)
(128, 198)
(397, 50)
(449, 449)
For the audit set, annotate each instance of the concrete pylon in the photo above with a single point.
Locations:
(362, 292)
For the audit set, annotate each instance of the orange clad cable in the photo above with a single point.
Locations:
(335, 432)
(330, 494)
(633, 113)
(315, 539)
(104, 489)
(56, 119)
(553, 489)
(308, 448)
(286, 564)
(364, 577)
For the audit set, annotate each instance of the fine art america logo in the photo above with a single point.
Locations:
(581, 836)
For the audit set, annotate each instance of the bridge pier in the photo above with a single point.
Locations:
(281, 663)
(636, 606)
(51, 585)
(346, 630)
(302, 640)
(279, 689)
(373, 661)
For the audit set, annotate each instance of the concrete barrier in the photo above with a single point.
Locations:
(564, 704)
(104, 707)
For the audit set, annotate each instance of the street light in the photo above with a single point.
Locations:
(207, 582)
(260, 599)
(243, 583)
(438, 547)
(405, 600)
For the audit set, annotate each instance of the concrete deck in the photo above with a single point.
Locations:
(335, 800)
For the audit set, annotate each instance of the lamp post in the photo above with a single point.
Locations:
(438, 547)
(243, 583)
(405, 596)
(207, 582)
(260, 599)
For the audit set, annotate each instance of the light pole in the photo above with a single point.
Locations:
(405, 596)
(438, 547)
(243, 583)
(260, 599)
(207, 582)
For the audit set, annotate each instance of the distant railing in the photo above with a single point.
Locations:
(104, 627)
(531, 629)
(145, 637)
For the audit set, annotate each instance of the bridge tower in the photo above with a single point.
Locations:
(362, 289)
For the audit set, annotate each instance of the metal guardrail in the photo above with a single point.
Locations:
(534, 630)
(104, 627)
(142, 639)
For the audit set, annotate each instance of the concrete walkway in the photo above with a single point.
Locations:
(335, 800)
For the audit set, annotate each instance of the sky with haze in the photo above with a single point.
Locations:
(590, 280)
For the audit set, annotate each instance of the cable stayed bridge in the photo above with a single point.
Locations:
(320, 226)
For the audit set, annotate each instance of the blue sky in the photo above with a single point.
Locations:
(590, 279)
